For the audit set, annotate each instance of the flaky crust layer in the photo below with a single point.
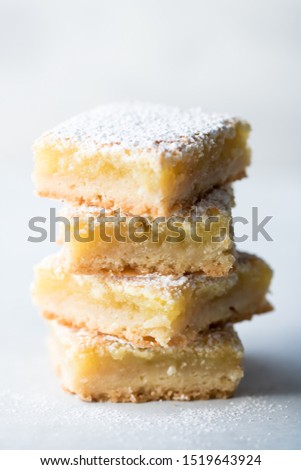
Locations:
(65, 194)
(213, 269)
(177, 340)
(160, 395)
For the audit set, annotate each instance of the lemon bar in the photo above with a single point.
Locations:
(199, 239)
(102, 368)
(140, 158)
(151, 308)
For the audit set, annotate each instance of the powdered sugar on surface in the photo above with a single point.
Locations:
(37, 414)
(139, 127)
(184, 425)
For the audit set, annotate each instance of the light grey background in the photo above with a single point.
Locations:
(239, 56)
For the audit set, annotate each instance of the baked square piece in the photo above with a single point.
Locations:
(199, 239)
(103, 368)
(151, 308)
(140, 158)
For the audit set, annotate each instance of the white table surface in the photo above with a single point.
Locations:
(266, 411)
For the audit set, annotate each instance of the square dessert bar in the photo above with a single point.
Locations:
(101, 368)
(151, 308)
(140, 158)
(198, 239)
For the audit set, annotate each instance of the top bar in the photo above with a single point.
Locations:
(140, 158)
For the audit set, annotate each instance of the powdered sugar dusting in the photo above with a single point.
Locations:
(214, 424)
(140, 127)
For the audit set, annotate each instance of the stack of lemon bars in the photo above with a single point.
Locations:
(141, 299)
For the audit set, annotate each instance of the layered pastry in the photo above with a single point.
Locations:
(163, 309)
(100, 368)
(140, 158)
(198, 239)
